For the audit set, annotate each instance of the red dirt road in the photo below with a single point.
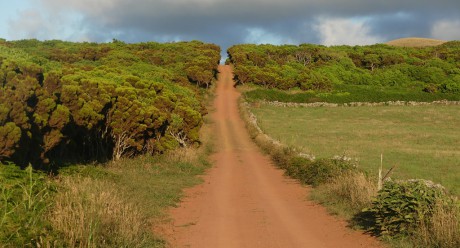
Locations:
(246, 202)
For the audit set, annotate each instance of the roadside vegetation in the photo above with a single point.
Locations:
(98, 140)
(117, 204)
(337, 149)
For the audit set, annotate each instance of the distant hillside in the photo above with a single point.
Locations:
(415, 42)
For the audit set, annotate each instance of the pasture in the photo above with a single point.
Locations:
(422, 141)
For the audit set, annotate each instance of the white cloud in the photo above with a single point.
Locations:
(30, 24)
(343, 31)
(260, 36)
(446, 30)
(42, 25)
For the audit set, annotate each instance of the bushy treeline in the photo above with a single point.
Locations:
(320, 68)
(63, 101)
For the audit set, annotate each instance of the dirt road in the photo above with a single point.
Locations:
(246, 202)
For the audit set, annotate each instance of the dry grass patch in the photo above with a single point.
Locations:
(347, 194)
(443, 228)
(415, 42)
(92, 213)
(184, 155)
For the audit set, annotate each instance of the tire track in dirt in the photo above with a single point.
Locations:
(246, 202)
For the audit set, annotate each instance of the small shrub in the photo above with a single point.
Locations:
(401, 206)
(320, 171)
(282, 156)
(430, 88)
(294, 166)
(450, 88)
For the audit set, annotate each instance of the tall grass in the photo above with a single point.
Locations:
(442, 228)
(24, 199)
(94, 213)
(347, 194)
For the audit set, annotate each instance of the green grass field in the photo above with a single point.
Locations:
(422, 141)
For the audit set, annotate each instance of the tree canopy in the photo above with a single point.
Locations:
(62, 101)
(320, 68)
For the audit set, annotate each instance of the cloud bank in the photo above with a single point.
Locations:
(342, 31)
(226, 22)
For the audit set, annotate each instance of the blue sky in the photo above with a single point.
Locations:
(227, 22)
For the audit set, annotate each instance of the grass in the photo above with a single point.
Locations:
(347, 94)
(422, 141)
(155, 183)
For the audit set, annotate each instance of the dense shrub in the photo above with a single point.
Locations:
(318, 68)
(316, 81)
(63, 101)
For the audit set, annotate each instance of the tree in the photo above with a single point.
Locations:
(200, 76)
(315, 81)
(372, 61)
(10, 134)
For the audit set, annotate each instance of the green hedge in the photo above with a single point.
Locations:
(349, 93)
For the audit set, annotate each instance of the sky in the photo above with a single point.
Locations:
(225, 22)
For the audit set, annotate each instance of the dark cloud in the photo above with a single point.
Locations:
(265, 21)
